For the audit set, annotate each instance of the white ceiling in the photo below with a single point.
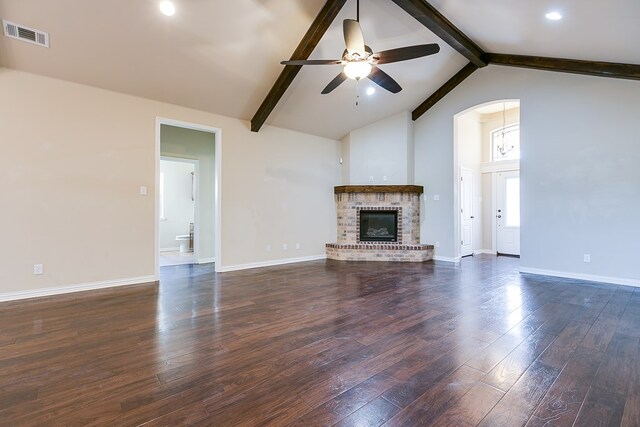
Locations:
(594, 30)
(223, 56)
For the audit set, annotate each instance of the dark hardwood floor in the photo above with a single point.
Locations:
(327, 343)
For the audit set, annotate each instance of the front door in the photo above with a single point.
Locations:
(508, 213)
(466, 212)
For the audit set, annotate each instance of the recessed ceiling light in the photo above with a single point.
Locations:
(553, 16)
(371, 90)
(167, 8)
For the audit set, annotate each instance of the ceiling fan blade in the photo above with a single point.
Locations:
(353, 38)
(405, 53)
(384, 80)
(312, 62)
(337, 81)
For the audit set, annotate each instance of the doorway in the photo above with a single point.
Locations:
(199, 146)
(486, 155)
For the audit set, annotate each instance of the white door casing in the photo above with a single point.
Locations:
(466, 212)
(508, 213)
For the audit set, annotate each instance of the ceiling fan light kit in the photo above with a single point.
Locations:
(357, 70)
(359, 61)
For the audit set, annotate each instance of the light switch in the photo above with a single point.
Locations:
(143, 190)
(436, 197)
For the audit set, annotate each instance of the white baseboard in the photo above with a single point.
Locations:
(236, 267)
(485, 251)
(579, 276)
(45, 292)
(446, 259)
(205, 260)
(177, 248)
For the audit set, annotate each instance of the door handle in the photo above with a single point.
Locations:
(472, 217)
(499, 216)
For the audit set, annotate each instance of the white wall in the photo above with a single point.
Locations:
(196, 145)
(384, 148)
(74, 157)
(179, 208)
(579, 168)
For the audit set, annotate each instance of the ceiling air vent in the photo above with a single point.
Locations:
(25, 34)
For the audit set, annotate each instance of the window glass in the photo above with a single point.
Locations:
(512, 189)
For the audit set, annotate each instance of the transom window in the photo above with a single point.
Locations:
(505, 143)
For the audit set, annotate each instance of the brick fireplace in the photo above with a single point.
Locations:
(365, 228)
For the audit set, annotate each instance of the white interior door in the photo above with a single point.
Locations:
(508, 213)
(466, 212)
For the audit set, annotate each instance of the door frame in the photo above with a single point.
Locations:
(196, 213)
(217, 188)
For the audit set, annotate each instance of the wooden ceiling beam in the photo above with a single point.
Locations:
(428, 16)
(575, 66)
(310, 40)
(444, 90)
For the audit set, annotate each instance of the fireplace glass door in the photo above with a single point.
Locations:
(378, 226)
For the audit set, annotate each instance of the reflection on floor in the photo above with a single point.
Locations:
(176, 258)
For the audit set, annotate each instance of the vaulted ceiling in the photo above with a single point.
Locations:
(223, 57)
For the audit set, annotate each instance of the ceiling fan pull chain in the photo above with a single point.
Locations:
(357, 93)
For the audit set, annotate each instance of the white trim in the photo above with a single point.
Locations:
(270, 263)
(173, 249)
(580, 276)
(217, 186)
(45, 292)
(500, 166)
(485, 251)
(447, 259)
(205, 260)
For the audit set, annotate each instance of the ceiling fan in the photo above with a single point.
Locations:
(359, 61)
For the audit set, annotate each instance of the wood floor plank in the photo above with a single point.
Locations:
(517, 405)
(601, 407)
(373, 414)
(428, 406)
(562, 402)
(507, 372)
(472, 407)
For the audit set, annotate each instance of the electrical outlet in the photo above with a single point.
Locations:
(38, 269)
(437, 245)
(384, 178)
(587, 258)
(436, 197)
(370, 179)
(268, 248)
(285, 247)
(297, 246)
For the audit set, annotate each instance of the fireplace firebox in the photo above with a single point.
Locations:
(378, 225)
